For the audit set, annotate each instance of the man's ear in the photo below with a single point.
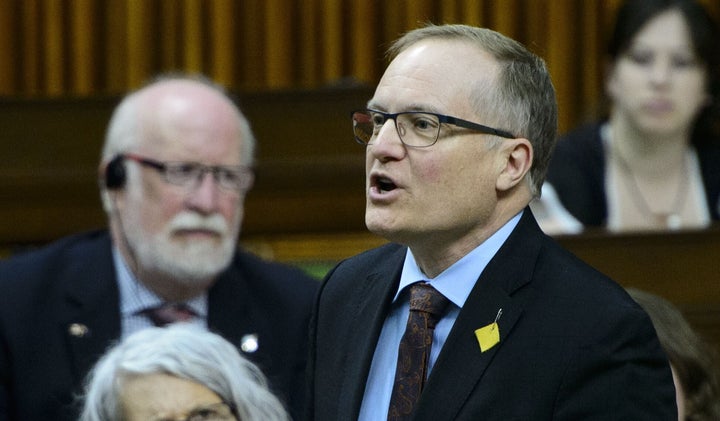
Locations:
(517, 160)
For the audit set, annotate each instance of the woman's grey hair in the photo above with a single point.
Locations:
(523, 102)
(185, 352)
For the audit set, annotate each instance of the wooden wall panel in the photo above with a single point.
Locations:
(115, 54)
(194, 41)
(417, 12)
(506, 17)
(363, 41)
(279, 25)
(53, 47)
(222, 41)
(30, 35)
(82, 47)
(562, 44)
(140, 45)
(9, 44)
(332, 40)
(310, 172)
(252, 46)
(71, 48)
(308, 34)
(472, 12)
(589, 80)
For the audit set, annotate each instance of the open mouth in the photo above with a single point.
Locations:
(384, 184)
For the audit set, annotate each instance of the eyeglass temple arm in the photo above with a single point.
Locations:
(144, 161)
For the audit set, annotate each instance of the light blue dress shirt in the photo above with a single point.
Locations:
(135, 297)
(455, 283)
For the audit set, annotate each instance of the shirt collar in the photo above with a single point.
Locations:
(135, 296)
(456, 282)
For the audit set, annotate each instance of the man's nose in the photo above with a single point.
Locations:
(387, 144)
(203, 196)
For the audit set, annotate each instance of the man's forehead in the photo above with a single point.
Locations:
(444, 61)
(428, 77)
(447, 48)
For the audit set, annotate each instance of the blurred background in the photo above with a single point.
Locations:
(297, 67)
(77, 48)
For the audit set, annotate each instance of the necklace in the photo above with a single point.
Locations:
(669, 219)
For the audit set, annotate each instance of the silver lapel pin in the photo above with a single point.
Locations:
(78, 330)
(249, 343)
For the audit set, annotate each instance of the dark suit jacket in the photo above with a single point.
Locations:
(573, 345)
(44, 292)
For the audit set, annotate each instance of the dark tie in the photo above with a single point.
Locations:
(427, 306)
(167, 313)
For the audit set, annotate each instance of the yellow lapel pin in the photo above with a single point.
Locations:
(489, 336)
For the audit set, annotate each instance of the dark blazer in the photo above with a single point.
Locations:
(43, 360)
(577, 172)
(573, 345)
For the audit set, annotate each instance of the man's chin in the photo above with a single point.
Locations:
(197, 265)
(203, 254)
(189, 244)
(200, 250)
(379, 223)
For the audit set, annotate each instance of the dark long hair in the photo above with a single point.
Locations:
(695, 361)
(634, 14)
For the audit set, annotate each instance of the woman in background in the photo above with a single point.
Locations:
(178, 372)
(693, 361)
(654, 163)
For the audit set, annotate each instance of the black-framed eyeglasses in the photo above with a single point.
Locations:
(220, 411)
(419, 129)
(229, 177)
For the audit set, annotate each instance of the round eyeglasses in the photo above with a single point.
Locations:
(416, 128)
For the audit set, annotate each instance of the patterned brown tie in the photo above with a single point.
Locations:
(427, 306)
(168, 313)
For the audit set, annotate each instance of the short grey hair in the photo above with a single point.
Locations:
(122, 132)
(186, 352)
(524, 101)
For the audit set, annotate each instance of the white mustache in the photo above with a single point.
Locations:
(194, 221)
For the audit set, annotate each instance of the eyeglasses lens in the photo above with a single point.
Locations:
(414, 128)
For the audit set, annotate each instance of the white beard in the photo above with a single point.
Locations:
(189, 262)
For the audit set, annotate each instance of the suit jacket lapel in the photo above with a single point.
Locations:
(228, 310)
(232, 315)
(379, 287)
(461, 363)
(89, 317)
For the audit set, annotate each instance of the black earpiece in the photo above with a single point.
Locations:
(115, 173)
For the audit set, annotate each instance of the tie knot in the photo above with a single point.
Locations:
(168, 313)
(423, 297)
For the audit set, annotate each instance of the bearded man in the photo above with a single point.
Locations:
(175, 168)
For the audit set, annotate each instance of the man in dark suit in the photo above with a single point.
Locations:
(175, 168)
(458, 136)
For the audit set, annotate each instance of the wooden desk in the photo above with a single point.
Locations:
(682, 267)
